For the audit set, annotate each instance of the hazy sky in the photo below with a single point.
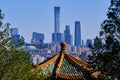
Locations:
(38, 16)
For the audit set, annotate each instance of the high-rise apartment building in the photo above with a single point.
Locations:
(67, 35)
(77, 41)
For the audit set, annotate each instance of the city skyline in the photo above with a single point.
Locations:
(38, 16)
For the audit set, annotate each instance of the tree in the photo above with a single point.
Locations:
(111, 35)
(14, 63)
(98, 43)
(108, 61)
(111, 26)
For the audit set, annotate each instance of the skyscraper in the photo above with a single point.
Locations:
(77, 41)
(67, 35)
(57, 37)
(57, 19)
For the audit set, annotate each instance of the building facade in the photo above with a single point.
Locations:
(67, 35)
(57, 37)
(56, 19)
(14, 31)
(77, 41)
(37, 38)
(15, 36)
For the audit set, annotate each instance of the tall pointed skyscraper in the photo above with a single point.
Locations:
(77, 41)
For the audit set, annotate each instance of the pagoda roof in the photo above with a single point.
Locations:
(65, 66)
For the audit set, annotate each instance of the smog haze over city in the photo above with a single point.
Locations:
(38, 16)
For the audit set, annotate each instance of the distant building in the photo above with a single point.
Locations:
(44, 46)
(14, 31)
(67, 35)
(37, 38)
(36, 54)
(57, 37)
(71, 39)
(15, 36)
(77, 41)
(57, 19)
(82, 43)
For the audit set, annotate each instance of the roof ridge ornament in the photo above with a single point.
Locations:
(63, 46)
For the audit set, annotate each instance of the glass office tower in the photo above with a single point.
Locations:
(77, 41)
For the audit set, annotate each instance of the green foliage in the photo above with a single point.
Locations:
(111, 26)
(14, 63)
(38, 75)
(98, 43)
(108, 61)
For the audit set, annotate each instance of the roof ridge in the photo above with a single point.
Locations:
(60, 62)
(48, 61)
(78, 60)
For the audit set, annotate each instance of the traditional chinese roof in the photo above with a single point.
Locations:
(65, 66)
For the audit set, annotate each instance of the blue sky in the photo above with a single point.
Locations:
(38, 16)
